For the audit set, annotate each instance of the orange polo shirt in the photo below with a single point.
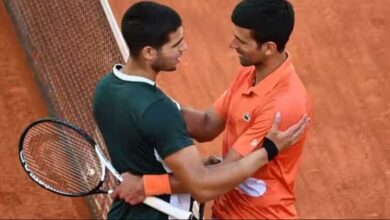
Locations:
(249, 112)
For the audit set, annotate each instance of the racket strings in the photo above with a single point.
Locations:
(62, 158)
(56, 155)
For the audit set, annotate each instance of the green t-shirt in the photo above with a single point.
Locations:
(140, 126)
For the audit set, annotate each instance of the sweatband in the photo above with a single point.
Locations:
(271, 148)
(156, 184)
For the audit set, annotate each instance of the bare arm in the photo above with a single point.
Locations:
(282, 139)
(133, 191)
(191, 176)
(203, 125)
(206, 184)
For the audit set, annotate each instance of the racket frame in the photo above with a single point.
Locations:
(153, 202)
(41, 183)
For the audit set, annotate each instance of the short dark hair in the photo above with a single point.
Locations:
(269, 20)
(148, 24)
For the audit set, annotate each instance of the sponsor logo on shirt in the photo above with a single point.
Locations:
(247, 117)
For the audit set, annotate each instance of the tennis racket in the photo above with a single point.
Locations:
(64, 159)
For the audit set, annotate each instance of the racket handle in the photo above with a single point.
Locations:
(164, 207)
(167, 208)
(153, 202)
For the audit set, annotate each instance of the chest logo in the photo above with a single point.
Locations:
(247, 117)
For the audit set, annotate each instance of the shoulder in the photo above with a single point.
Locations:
(106, 79)
(163, 124)
(289, 92)
(292, 105)
(101, 88)
(161, 109)
(290, 98)
(141, 96)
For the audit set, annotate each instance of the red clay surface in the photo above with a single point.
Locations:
(340, 49)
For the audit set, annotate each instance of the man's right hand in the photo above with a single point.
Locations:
(131, 189)
(290, 136)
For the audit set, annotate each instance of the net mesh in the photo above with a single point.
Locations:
(69, 45)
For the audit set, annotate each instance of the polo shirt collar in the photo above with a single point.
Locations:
(117, 72)
(272, 79)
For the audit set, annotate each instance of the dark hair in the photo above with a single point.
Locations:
(148, 24)
(269, 20)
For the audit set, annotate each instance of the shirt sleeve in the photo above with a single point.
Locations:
(253, 137)
(164, 128)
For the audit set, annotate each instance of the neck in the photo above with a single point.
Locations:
(269, 66)
(134, 67)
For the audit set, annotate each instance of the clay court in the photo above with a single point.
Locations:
(340, 50)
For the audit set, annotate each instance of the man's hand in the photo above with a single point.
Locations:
(131, 189)
(290, 136)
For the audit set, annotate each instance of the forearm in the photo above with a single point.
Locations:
(207, 183)
(176, 185)
(163, 183)
(218, 180)
(199, 124)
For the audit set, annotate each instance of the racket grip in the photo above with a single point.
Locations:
(153, 202)
(167, 208)
(164, 207)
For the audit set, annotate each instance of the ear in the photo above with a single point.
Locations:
(269, 48)
(149, 53)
